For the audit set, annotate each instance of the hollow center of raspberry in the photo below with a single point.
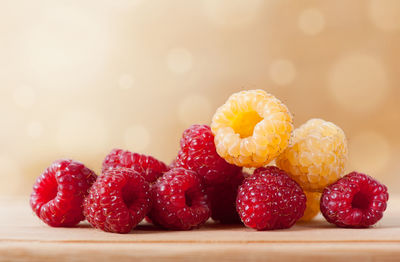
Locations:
(361, 201)
(49, 192)
(244, 123)
(188, 199)
(128, 195)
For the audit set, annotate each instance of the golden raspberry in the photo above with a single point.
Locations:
(251, 128)
(312, 206)
(316, 156)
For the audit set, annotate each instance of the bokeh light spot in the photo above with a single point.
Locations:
(179, 60)
(126, 81)
(282, 72)
(385, 14)
(311, 21)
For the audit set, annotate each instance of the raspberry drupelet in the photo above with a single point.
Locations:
(149, 167)
(270, 199)
(118, 201)
(179, 200)
(252, 128)
(357, 200)
(59, 192)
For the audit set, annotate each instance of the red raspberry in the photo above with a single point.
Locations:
(198, 153)
(270, 199)
(179, 200)
(118, 201)
(356, 200)
(59, 192)
(147, 166)
(222, 199)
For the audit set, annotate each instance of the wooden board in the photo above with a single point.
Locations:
(23, 237)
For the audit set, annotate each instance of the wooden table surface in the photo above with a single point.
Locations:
(23, 237)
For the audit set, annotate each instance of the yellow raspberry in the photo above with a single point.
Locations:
(312, 206)
(316, 155)
(251, 128)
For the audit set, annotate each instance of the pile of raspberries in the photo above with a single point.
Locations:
(199, 184)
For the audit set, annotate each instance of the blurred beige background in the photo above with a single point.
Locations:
(78, 78)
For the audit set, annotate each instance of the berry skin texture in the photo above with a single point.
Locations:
(312, 206)
(198, 153)
(118, 201)
(172, 164)
(270, 199)
(252, 128)
(59, 192)
(223, 200)
(147, 166)
(316, 156)
(357, 200)
(179, 200)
